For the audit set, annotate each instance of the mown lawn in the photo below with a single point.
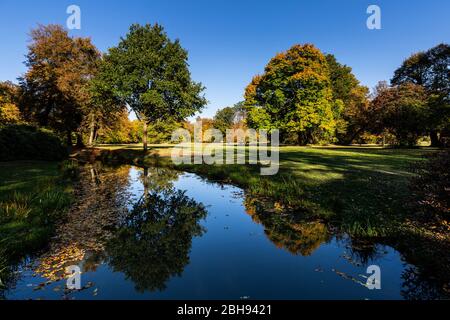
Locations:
(362, 190)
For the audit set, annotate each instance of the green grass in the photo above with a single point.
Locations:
(33, 196)
(361, 190)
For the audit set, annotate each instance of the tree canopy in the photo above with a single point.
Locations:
(401, 110)
(294, 95)
(150, 73)
(431, 70)
(56, 85)
(354, 97)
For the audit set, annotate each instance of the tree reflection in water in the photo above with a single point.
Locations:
(287, 231)
(153, 242)
(147, 234)
(303, 237)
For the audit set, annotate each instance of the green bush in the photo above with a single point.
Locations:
(25, 142)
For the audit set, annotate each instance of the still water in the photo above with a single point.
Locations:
(161, 234)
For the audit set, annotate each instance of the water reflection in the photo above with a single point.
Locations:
(152, 243)
(298, 236)
(150, 226)
(101, 193)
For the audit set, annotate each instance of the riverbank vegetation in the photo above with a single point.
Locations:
(34, 196)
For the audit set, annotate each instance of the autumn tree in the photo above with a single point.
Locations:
(401, 110)
(9, 112)
(150, 74)
(56, 85)
(431, 70)
(294, 95)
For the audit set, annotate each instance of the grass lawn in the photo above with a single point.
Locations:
(33, 197)
(363, 190)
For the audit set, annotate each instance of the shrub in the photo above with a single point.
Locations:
(25, 142)
(431, 186)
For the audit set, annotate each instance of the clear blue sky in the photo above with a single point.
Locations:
(229, 41)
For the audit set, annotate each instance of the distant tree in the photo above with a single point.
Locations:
(56, 85)
(230, 117)
(205, 124)
(116, 129)
(295, 96)
(430, 69)
(9, 112)
(224, 119)
(149, 73)
(401, 110)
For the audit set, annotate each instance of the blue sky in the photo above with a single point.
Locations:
(229, 41)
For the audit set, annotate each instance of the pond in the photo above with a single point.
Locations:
(156, 233)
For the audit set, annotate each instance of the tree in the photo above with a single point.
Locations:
(224, 119)
(295, 96)
(354, 97)
(430, 69)
(401, 110)
(149, 73)
(9, 112)
(230, 117)
(56, 85)
(114, 129)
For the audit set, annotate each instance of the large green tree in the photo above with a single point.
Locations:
(150, 74)
(354, 97)
(294, 95)
(431, 70)
(56, 86)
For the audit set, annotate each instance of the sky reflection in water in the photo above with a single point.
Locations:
(177, 236)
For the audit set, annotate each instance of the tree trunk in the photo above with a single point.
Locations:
(91, 136)
(69, 139)
(434, 139)
(355, 134)
(95, 134)
(80, 143)
(144, 138)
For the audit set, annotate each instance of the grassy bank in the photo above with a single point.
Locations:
(361, 190)
(33, 196)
